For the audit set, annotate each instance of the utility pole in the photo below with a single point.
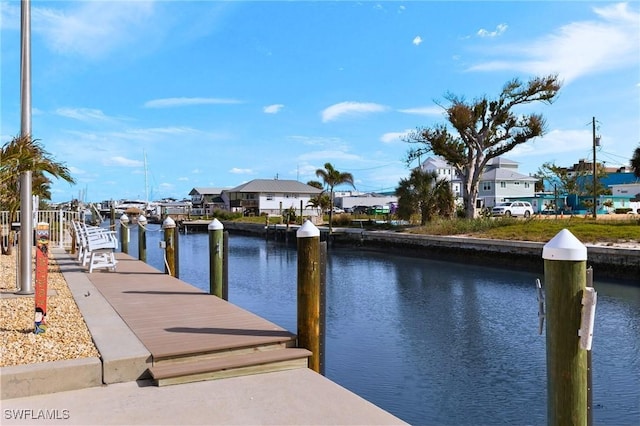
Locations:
(26, 219)
(595, 168)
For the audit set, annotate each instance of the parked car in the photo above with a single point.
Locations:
(360, 209)
(513, 208)
(336, 210)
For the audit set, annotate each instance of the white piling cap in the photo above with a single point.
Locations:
(564, 246)
(168, 223)
(308, 230)
(124, 218)
(215, 225)
(142, 219)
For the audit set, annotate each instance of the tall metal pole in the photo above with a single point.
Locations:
(595, 178)
(26, 220)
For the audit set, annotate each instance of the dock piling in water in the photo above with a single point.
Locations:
(565, 276)
(309, 294)
(216, 258)
(170, 247)
(142, 238)
(124, 233)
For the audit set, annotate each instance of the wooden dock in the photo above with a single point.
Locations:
(190, 334)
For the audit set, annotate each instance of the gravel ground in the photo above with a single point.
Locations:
(66, 336)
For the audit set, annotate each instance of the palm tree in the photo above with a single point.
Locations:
(332, 178)
(23, 154)
(635, 162)
(320, 202)
(424, 193)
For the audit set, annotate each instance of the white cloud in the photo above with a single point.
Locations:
(500, 29)
(417, 41)
(183, 179)
(393, 137)
(556, 142)
(83, 114)
(179, 102)
(316, 140)
(166, 186)
(272, 109)
(350, 108)
(122, 161)
(434, 110)
(578, 48)
(239, 171)
(76, 171)
(91, 29)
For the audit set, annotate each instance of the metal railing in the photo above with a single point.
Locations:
(60, 229)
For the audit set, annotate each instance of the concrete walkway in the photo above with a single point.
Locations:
(293, 397)
(67, 392)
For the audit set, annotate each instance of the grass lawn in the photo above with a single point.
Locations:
(625, 228)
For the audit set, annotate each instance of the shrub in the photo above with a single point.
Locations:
(341, 219)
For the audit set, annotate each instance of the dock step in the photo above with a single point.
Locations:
(231, 366)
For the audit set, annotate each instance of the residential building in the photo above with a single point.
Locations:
(200, 197)
(271, 196)
(444, 171)
(499, 182)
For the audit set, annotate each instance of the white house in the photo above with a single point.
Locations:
(271, 196)
(444, 171)
(500, 180)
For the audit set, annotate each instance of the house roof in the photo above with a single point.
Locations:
(206, 191)
(275, 185)
(505, 174)
(437, 162)
(502, 162)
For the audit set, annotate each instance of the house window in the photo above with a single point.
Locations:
(503, 184)
(516, 183)
(486, 186)
(526, 184)
(270, 197)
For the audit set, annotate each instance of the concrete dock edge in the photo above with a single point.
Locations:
(49, 377)
(125, 360)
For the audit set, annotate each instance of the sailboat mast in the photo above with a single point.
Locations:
(146, 183)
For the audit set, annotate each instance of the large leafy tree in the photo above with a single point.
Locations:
(422, 192)
(22, 154)
(332, 178)
(635, 162)
(484, 129)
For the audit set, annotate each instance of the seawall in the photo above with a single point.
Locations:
(617, 263)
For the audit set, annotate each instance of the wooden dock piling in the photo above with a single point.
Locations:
(309, 302)
(565, 280)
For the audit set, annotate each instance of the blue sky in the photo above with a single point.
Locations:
(218, 93)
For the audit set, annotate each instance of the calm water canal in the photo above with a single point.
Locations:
(431, 342)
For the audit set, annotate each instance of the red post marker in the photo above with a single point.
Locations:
(42, 271)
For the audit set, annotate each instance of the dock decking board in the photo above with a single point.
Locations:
(173, 318)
